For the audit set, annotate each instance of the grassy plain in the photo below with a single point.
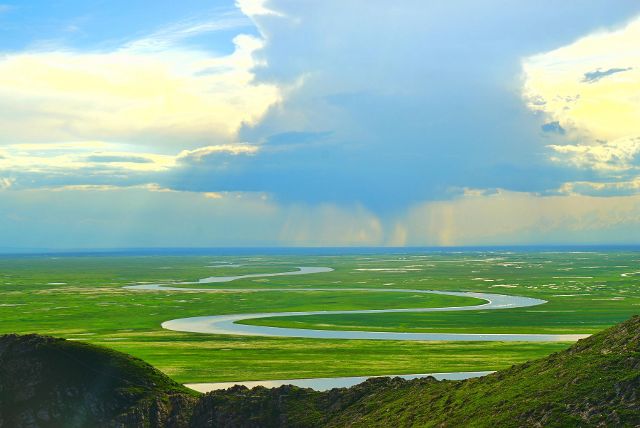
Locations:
(82, 298)
(586, 292)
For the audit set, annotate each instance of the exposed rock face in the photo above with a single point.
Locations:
(46, 382)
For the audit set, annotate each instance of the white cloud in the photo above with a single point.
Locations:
(151, 187)
(256, 7)
(591, 86)
(213, 195)
(590, 89)
(175, 96)
(617, 155)
(232, 149)
(85, 160)
(628, 187)
(70, 158)
(557, 83)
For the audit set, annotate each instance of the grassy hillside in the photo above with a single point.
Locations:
(48, 382)
(596, 382)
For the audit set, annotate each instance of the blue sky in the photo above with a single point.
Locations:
(103, 25)
(205, 123)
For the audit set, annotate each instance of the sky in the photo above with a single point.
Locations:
(206, 123)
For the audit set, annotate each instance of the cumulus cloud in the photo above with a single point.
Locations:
(413, 100)
(594, 188)
(203, 152)
(133, 94)
(339, 123)
(74, 159)
(101, 163)
(326, 119)
(601, 104)
(588, 90)
(256, 7)
(622, 154)
(118, 159)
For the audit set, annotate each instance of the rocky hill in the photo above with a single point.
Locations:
(48, 382)
(52, 382)
(596, 382)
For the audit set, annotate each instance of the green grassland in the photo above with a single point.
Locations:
(82, 298)
(585, 293)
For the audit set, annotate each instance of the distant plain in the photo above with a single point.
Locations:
(81, 298)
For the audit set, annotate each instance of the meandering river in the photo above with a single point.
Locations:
(228, 324)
